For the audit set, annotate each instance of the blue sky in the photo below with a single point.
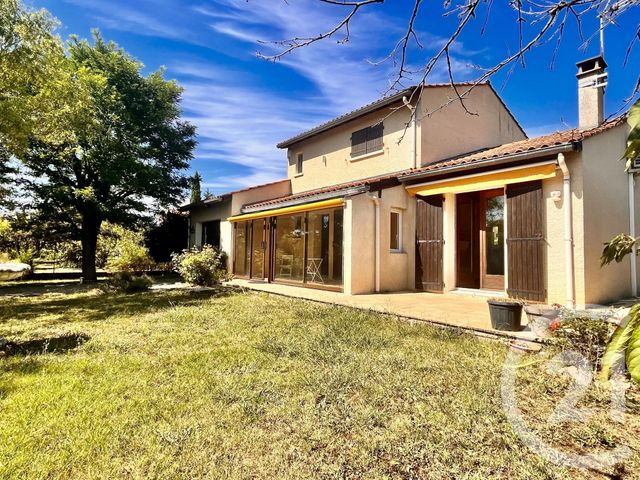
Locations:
(243, 105)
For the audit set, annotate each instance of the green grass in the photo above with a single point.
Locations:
(194, 385)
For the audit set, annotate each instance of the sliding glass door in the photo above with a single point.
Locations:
(289, 248)
(303, 248)
(324, 248)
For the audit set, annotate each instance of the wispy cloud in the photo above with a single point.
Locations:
(239, 114)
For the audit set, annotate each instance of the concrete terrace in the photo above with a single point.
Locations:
(457, 310)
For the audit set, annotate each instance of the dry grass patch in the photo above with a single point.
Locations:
(190, 385)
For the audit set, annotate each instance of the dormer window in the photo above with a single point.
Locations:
(367, 140)
(299, 159)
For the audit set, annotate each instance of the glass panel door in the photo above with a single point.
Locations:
(257, 249)
(493, 241)
(289, 248)
(240, 251)
(324, 248)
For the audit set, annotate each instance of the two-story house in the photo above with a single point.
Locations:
(420, 191)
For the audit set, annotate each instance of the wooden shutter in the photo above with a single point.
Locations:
(525, 241)
(374, 138)
(359, 142)
(429, 243)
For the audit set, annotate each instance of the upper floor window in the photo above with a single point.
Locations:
(299, 164)
(367, 140)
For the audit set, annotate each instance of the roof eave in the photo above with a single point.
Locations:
(513, 157)
(346, 192)
(346, 118)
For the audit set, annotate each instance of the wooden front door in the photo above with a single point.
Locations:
(429, 243)
(480, 240)
(526, 241)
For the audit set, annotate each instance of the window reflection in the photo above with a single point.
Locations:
(289, 248)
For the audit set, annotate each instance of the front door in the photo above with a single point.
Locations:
(480, 240)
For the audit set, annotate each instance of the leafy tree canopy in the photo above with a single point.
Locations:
(121, 151)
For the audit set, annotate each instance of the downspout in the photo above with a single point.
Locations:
(376, 203)
(568, 231)
(414, 130)
(632, 232)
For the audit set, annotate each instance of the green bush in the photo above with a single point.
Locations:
(127, 252)
(204, 266)
(126, 282)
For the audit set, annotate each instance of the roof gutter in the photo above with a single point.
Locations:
(347, 192)
(514, 157)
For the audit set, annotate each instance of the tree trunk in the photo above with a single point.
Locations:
(89, 238)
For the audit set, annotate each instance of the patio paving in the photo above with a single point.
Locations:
(457, 310)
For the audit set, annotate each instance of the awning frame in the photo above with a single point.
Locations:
(309, 207)
(414, 189)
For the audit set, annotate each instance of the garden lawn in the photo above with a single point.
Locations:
(178, 384)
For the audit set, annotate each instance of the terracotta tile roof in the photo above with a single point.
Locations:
(370, 107)
(529, 145)
(329, 189)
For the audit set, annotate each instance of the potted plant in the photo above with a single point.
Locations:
(506, 314)
(540, 317)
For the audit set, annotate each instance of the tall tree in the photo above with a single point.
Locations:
(127, 157)
(30, 55)
(196, 193)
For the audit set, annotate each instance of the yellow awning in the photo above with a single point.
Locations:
(485, 181)
(308, 207)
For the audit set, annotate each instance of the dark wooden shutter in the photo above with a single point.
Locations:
(429, 243)
(525, 241)
(374, 138)
(359, 142)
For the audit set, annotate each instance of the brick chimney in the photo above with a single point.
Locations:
(592, 81)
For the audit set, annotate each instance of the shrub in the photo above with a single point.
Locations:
(127, 252)
(204, 266)
(584, 333)
(126, 282)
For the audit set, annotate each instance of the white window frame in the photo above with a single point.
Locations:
(299, 162)
(399, 213)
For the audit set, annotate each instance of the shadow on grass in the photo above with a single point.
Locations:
(59, 344)
(100, 306)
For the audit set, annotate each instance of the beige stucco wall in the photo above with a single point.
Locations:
(397, 269)
(327, 157)
(451, 131)
(259, 194)
(449, 236)
(606, 211)
(441, 134)
(555, 234)
(359, 248)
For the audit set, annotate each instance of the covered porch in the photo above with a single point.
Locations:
(458, 310)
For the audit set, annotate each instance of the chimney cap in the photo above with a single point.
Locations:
(591, 64)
